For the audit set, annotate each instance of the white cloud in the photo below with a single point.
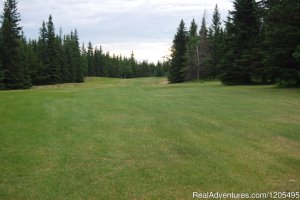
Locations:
(145, 26)
(151, 51)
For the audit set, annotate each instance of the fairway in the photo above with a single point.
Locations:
(146, 139)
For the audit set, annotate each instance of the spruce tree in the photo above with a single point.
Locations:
(133, 65)
(1, 66)
(91, 60)
(61, 57)
(13, 71)
(158, 71)
(215, 40)
(26, 61)
(282, 41)
(34, 62)
(52, 64)
(84, 60)
(1, 75)
(99, 62)
(242, 32)
(203, 69)
(79, 72)
(178, 55)
(192, 52)
(67, 68)
(42, 75)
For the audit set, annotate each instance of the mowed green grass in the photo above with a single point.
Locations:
(146, 139)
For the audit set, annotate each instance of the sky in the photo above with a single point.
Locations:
(146, 27)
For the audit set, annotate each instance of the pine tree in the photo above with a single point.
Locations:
(178, 55)
(79, 72)
(158, 72)
(192, 52)
(61, 57)
(34, 63)
(52, 64)
(215, 40)
(26, 60)
(84, 60)
(2, 86)
(281, 41)
(67, 67)
(99, 62)
(133, 65)
(42, 75)
(203, 70)
(242, 28)
(91, 60)
(13, 71)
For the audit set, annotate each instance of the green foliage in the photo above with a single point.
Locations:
(2, 86)
(203, 70)
(14, 72)
(55, 58)
(99, 62)
(159, 70)
(242, 33)
(34, 63)
(52, 60)
(178, 55)
(91, 60)
(282, 41)
(192, 54)
(84, 60)
(41, 73)
(26, 61)
(103, 64)
(215, 44)
(296, 54)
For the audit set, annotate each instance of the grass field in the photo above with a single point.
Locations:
(145, 139)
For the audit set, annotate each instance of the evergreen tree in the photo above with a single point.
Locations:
(178, 55)
(192, 52)
(91, 60)
(26, 60)
(159, 70)
(67, 69)
(203, 70)
(13, 71)
(2, 86)
(84, 60)
(52, 65)
(282, 41)
(215, 40)
(42, 76)
(79, 71)
(34, 64)
(243, 29)
(99, 62)
(133, 65)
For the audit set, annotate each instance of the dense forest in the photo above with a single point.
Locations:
(55, 58)
(259, 43)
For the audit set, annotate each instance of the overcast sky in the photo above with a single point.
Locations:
(145, 26)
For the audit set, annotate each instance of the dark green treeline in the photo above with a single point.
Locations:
(258, 44)
(56, 58)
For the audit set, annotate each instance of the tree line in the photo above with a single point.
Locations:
(56, 58)
(103, 64)
(259, 43)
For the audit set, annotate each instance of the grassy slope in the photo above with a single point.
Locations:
(144, 139)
